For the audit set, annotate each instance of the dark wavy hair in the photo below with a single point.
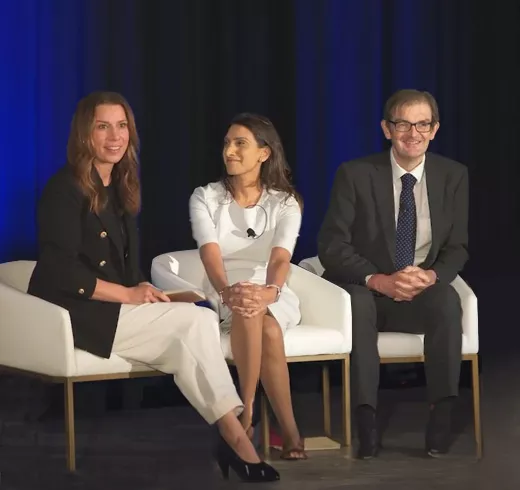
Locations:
(275, 173)
(80, 154)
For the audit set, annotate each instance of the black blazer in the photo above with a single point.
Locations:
(77, 246)
(357, 237)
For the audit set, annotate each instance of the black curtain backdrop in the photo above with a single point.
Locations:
(205, 62)
(321, 70)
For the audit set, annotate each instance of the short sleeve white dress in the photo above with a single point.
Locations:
(246, 237)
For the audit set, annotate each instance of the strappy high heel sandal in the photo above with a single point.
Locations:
(294, 453)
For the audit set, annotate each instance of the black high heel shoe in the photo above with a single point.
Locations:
(247, 472)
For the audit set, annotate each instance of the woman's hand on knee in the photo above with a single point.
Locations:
(245, 295)
(145, 293)
(247, 307)
(250, 300)
(248, 312)
(243, 299)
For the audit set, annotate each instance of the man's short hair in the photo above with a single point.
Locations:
(407, 97)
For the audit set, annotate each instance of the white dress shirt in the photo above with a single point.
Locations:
(423, 238)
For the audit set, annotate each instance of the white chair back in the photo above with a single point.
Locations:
(17, 274)
(312, 264)
(183, 263)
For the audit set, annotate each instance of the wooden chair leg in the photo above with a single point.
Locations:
(347, 429)
(264, 422)
(69, 424)
(476, 404)
(325, 383)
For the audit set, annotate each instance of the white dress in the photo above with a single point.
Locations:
(246, 237)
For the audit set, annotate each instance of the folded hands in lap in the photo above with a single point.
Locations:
(247, 299)
(404, 285)
(412, 281)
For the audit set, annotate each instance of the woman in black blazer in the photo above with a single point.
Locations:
(88, 264)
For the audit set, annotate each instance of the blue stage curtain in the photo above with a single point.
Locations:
(52, 53)
(321, 70)
(351, 56)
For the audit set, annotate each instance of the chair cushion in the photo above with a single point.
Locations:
(397, 344)
(301, 340)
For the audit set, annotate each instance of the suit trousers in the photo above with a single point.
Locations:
(181, 339)
(436, 313)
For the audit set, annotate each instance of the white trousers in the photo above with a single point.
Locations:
(184, 340)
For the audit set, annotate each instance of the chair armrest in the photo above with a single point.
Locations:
(184, 263)
(35, 335)
(322, 303)
(468, 301)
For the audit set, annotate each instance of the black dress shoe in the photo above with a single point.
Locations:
(438, 431)
(367, 432)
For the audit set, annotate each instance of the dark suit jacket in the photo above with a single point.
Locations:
(357, 237)
(76, 247)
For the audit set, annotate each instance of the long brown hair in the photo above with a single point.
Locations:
(80, 154)
(275, 173)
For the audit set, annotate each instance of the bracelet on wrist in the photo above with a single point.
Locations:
(278, 290)
(221, 293)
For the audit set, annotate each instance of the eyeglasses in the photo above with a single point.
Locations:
(405, 126)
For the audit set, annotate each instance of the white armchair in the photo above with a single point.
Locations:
(395, 347)
(324, 333)
(36, 339)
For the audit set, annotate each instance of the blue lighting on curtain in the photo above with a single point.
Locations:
(52, 53)
(18, 126)
(350, 56)
(339, 96)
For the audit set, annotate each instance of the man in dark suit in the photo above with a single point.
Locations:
(395, 236)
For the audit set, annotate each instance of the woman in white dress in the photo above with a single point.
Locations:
(246, 227)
